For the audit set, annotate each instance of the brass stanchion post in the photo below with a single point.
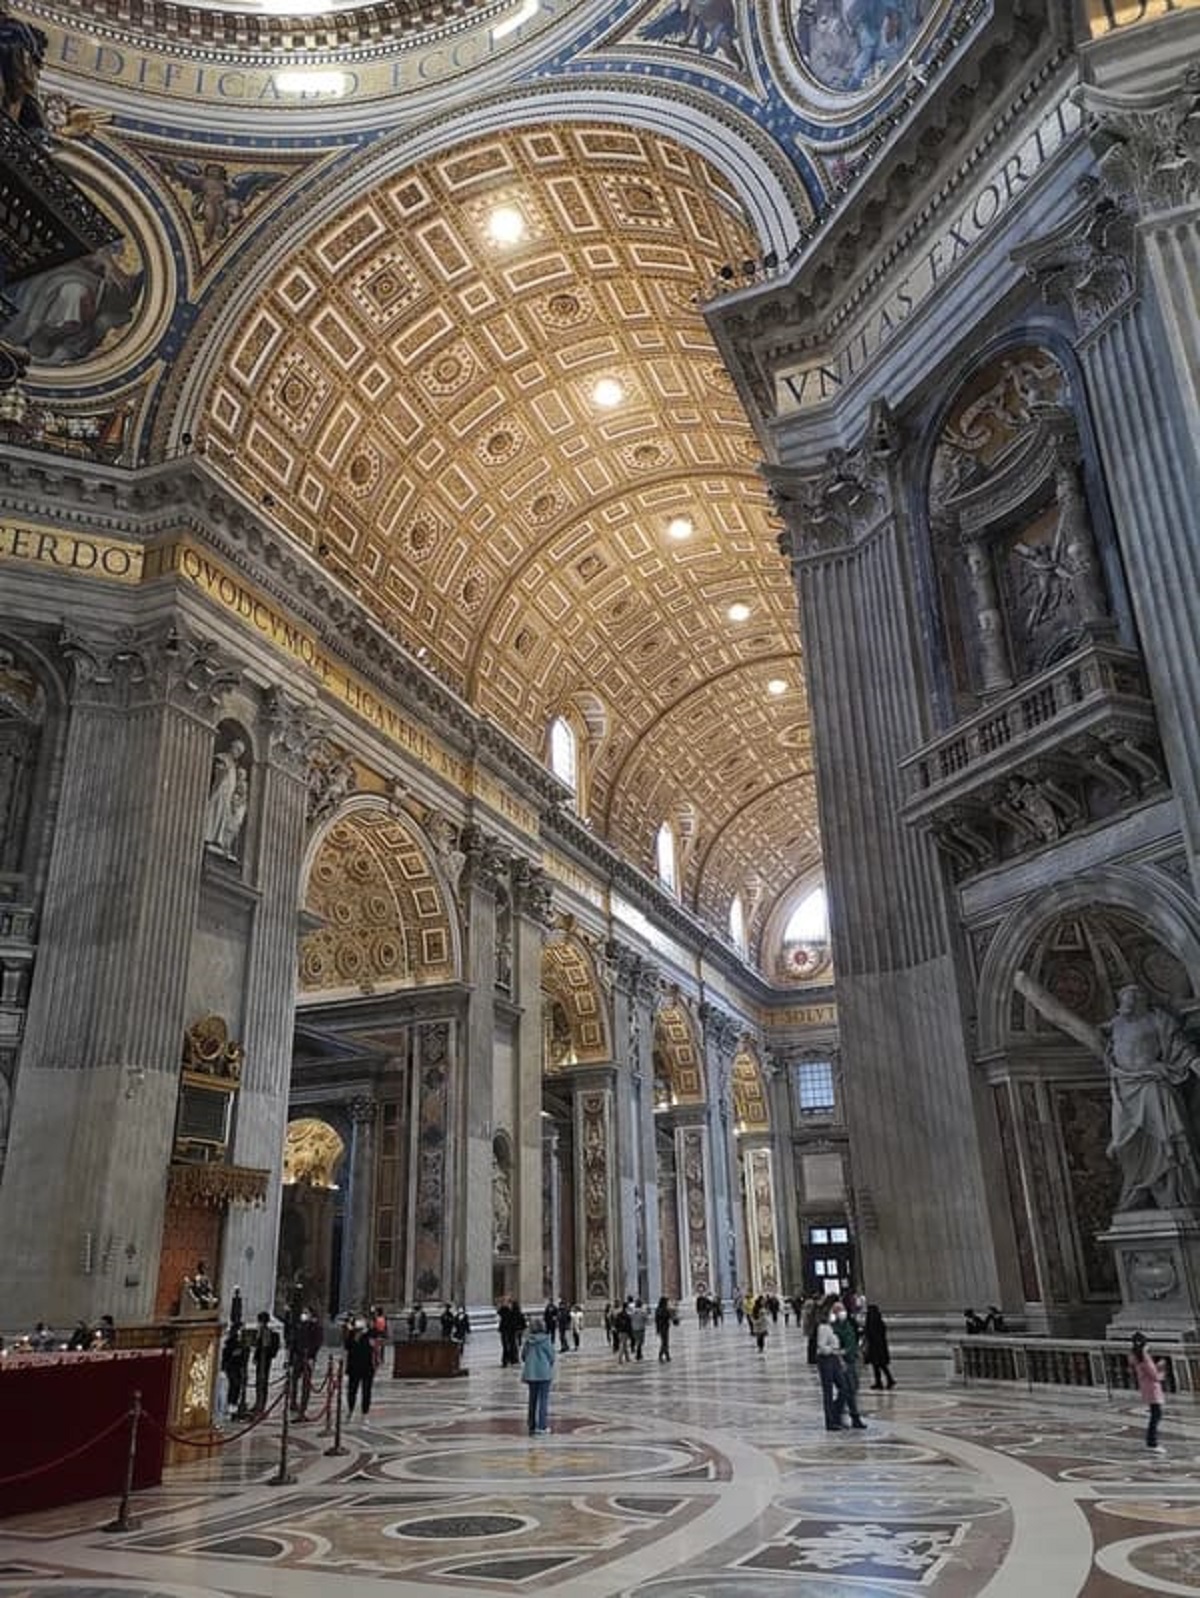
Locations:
(337, 1450)
(125, 1521)
(283, 1477)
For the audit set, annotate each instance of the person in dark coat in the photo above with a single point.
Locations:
(512, 1324)
(875, 1348)
(234, 1355)
(264, 1345)
(664, 1319)
(360, 1368)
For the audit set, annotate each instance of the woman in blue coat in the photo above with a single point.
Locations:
(537, 1372)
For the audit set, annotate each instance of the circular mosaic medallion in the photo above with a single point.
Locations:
(590, 1461)
(457, 1527)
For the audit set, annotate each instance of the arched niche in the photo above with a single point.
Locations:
(1148, 926)
(678, 1057)
(751, 1109)
(1023, 560)
(576, 1021)
(384, 918)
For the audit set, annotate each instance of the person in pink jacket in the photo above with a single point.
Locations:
(1148, 1374)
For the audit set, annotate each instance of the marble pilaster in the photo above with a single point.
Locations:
(480, 885)
(908, 1106)
(248, 1256)
(531, 914)
(1127, 263)
(96, 1094)
(356, 1238)
(596, 1183)
(635, 991)
(729, 1263)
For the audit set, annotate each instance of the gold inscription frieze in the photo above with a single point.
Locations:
(805, 1015)
(84, 554)
(1106, 16)
(182, 560)
(505, 803)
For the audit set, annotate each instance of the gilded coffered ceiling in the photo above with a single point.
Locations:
(415, 402)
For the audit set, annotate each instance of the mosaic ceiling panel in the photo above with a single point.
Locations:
(416, 402)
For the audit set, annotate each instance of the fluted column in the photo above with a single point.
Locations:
(908, 1092)
(1128, 265)
(730, 1266)
(635, 992)
(531, 917)
(251, 1235)
(480, 885)
(96, 1095)
(359, 1222)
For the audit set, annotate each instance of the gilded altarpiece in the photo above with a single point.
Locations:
(594, 1114)
(692, 1160)
(762, 1234)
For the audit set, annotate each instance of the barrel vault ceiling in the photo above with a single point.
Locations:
(415, 404)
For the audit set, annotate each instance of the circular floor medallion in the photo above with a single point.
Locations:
(457, 1528)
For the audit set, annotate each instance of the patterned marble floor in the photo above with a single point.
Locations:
(710, 1477)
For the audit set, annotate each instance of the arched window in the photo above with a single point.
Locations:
(666, 857)
(737, 923)
(564, 753)
(809, 921)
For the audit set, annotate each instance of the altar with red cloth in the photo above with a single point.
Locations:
(51, 1405)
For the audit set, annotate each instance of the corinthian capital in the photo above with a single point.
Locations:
(533, 893)
(721, 1030)
(1148, 144)
(167, 664)
(1090, 262)
(292, 729)
(840, 502)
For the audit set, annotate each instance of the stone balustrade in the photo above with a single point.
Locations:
(1099, 1366)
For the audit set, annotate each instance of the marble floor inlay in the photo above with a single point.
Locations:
(709, 1477)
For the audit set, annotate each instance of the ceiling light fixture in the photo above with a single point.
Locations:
(310, 84)
(777, 686)
(680, 527)
(506, 225)
(607, 393)
(738, 612)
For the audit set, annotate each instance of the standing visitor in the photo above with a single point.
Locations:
(1148, 1374)
(233, 1366)
(847, 1335)
(759, 1324)
(875, 1351)
(576, 1324)
(831, 1371)
(664, 1319)
(537, 1372)
(360, 1368)
(512, 1324)
(263, 1349)
(637, 1327)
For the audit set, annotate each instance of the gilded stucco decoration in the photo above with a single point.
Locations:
(677, 1054)
(416, 402)
(750, 1111)
(312, 1153)
(385, 922)
(569, 978)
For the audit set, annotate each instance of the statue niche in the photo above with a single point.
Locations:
(228, 793)
(1020, 579)
(22, 716)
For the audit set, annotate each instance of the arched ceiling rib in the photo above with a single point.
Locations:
(416, 401)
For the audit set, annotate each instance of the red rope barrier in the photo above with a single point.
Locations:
(221, 1441)
(53, 1464)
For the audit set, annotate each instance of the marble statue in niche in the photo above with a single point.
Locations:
(501, 1209)
(228, 793)
(1150, 1061)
